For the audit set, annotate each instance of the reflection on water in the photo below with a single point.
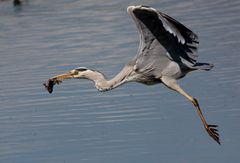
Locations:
(133, 123)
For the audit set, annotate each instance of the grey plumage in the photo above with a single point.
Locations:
(167, 52)
(163, 41)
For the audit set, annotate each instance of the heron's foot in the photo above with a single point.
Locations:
(213, 132)
(50, 83)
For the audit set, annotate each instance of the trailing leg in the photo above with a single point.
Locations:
(172, 84)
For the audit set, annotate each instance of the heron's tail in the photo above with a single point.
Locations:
(203, 66)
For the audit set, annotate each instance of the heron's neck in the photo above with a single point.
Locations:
(102, 84)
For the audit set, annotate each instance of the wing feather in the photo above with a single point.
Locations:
(176, 41)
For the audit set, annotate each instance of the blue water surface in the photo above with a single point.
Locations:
(133, 123)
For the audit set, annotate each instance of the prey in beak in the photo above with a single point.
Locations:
(76, 73)
(57, 80)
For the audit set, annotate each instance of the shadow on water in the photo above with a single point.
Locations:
(133, 123)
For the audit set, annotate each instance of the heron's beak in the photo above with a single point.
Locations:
(57, 80)
(61, 77)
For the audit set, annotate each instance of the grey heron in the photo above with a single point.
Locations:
(167, 52)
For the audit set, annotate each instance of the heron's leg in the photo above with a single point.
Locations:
(172, 84)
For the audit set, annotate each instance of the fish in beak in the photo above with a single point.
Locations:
(57, 80)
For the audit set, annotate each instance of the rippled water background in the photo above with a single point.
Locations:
(134, 123)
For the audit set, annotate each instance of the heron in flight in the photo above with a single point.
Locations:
(167, 52)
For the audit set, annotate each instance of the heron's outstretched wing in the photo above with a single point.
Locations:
(170, 38)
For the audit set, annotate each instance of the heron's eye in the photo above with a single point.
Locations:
(75, 72)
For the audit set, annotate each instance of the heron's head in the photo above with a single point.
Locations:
(84, 73)
(77, 73)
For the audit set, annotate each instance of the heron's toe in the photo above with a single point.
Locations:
(213, 132)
